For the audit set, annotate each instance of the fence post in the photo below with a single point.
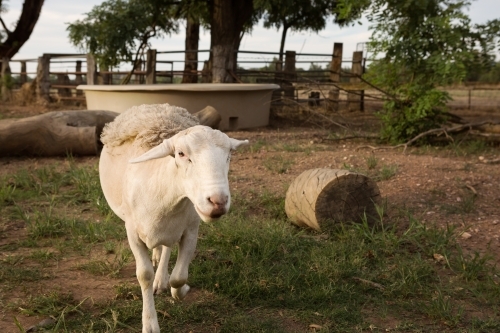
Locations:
(470, 97)
(78, 76)
(206, 72)
(289, 74)
(91, 70)
(335, 69)
(354, 97)
(23, 76)
(42, 79)
(151, 66)
(104, 77)
(5, 77)
(63, 79)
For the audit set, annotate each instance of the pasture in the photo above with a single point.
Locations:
(428, 264)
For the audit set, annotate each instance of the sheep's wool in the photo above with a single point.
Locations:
(147, 125)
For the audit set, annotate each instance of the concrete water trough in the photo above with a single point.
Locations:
(241, 106)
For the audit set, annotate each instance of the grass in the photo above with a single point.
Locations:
(374, 170)
(254, 271)
(277, 164)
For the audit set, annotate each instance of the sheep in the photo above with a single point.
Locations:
(160, 173)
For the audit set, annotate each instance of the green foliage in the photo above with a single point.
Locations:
(425, 44)
(112, 30)
(303, 15)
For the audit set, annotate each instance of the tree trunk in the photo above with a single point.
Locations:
(227, 20)
(319, 198)
(16, 39)
(191, 58)
(54, 133)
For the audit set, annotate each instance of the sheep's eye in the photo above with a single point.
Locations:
(181, 154)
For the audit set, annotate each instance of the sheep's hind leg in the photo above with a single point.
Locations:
(187, 247)
(162, 255)
(145, 275)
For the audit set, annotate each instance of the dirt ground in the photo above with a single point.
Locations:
(437, 185)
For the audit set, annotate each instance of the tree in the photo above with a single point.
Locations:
(112, 30)
(12, 40)
(296, 15)
(425, 45)
(482, 60)
(228, 19)
(196, 15)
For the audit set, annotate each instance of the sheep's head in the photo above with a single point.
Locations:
(202, 157)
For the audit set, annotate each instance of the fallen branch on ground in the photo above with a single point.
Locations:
(437, 132)
(486, 161)
(370, 283)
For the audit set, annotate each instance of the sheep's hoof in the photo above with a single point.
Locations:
(150, 326)
(160, 286)
(180, 293)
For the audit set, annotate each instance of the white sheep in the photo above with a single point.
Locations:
(160, 173)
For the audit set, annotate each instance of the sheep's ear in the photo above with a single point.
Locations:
(237, 143)
(162, 150)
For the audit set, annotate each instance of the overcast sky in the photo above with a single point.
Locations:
(50, 35)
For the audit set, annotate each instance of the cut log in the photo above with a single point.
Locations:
(321, 198)
(54, 133)
(209, 117)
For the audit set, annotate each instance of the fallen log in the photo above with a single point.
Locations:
(59, 133)
(321, 198)
(209, 117)
(54, 133)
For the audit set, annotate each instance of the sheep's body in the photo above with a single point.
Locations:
(147, 125)
(162, 199)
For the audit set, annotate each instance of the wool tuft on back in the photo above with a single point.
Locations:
(148, 125)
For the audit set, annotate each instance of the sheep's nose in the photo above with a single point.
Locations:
(218, 203)
(218, 200)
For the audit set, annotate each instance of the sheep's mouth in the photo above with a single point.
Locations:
(204, 217)
(212, 216)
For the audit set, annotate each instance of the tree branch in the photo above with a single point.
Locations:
(5, 27)
(437, 131)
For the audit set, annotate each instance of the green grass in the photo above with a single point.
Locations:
(254, 271)
(277, 164)
(374, 170)
(107, 267)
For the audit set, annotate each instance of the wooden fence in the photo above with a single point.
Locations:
(337, 85)
(55, 80)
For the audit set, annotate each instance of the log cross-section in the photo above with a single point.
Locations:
(320, 198)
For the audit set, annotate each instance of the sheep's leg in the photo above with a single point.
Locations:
(178, 279)
(155, 258)
(162, 277)
(145, 275)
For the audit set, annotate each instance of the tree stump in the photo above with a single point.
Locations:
(320, 198)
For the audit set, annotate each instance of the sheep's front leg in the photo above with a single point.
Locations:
(145, 275)
(161, 255)
(187, 247)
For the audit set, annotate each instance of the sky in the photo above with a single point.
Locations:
(50, 35)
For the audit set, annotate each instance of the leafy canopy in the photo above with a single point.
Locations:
(116, 29)
(301, 15)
